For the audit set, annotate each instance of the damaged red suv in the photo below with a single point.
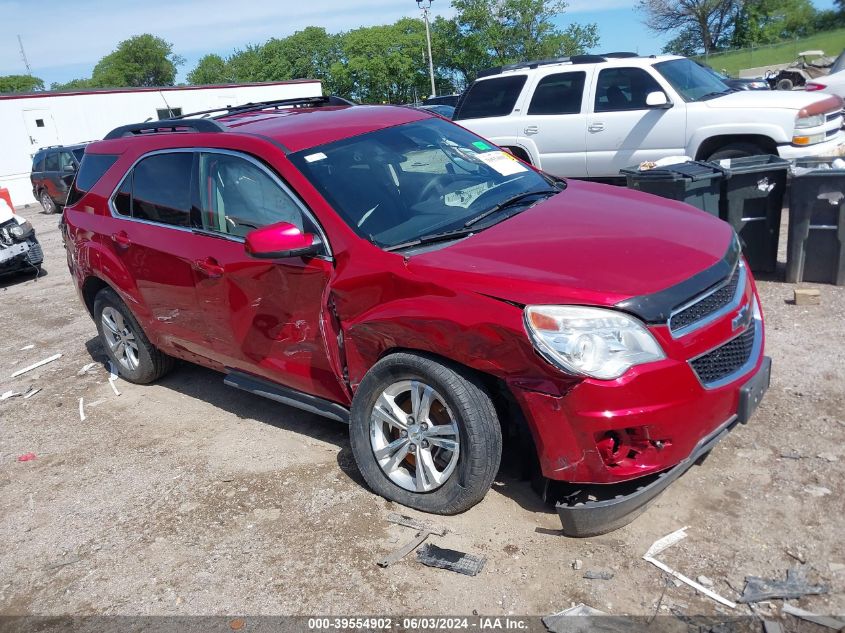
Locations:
(384, 267)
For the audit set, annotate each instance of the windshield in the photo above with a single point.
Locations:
(412, 181)
(79, 153)
(691, 81)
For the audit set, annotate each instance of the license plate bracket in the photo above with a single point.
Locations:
(751, 393)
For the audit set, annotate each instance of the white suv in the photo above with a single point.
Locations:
(590, 116)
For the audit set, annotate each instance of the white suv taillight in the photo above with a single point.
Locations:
(814, 87)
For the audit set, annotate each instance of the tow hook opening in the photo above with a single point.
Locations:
(629, 449)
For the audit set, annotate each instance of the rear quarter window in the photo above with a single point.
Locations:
(91, 169)
(491, 97)
(38, 161)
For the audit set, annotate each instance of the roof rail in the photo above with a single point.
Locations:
(165, 125)
(308, 102)
(574, 59)
(620, 55)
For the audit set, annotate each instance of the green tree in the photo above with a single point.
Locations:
(20, 83)
(210, 69)
(73, 84)
(143, 60)
(769, 21)
(710, 23)
(485, 34)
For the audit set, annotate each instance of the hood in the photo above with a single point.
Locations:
(590, 244)
(780, 99)
(6, 212)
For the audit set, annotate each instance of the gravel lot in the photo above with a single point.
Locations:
(187, 497)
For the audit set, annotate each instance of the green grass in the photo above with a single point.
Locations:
(831, 42)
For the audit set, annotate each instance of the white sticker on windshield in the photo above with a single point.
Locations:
(312, 158)
(502, 162)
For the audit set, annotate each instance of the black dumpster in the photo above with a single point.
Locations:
(752, 199)
(816, 238)
(695, 183)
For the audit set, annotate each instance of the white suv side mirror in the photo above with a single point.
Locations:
(657, 99)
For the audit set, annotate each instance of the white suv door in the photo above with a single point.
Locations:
(622, 130)
(551, 125)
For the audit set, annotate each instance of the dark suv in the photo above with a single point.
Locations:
(384, 267)
(53, 170)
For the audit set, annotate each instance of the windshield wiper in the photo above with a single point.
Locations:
(713, 95)
(431, 238)
(509, 203)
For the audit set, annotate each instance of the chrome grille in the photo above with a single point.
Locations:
(726, 359)
(709, 304)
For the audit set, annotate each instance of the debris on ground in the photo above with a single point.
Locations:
(793, 454)
(577, 564)
(580, 619)
(817, 491)
(424, 530)
(836, 567)
(28, 457)
(112, 377)
(828, 457)
(823, 620)
(26, 347)
(82, 409)
(705, 581)
(795, 586)
(662, 544)
(597, 575)
(453, 560)
(797, 555)
(36, 365)
(8, 394)
(770, 626)
(86, 369)
(807, 297)
(31, 392)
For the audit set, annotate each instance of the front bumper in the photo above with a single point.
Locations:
(20, 255)
(625, 502)
(833, 147)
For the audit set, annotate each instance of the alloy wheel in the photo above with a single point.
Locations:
(120, 338)
(414, 436)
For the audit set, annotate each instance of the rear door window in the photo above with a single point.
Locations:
(160, 189)
(561, 93)
(620, 89)
(91, 169)
(491, 98)
(51, 163)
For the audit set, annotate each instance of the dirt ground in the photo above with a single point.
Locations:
(188, 497)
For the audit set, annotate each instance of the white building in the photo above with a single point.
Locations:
(31, 121)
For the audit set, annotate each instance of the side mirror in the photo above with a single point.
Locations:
(281, 240)
(657, 99)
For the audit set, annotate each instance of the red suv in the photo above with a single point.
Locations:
(384, 267)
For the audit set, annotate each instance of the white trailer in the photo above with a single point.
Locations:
(29, 122)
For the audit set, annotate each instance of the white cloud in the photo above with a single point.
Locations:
(593, 6)
(59, 33)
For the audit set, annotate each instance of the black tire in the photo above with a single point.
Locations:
(47, 203)
(152, 363)
(478, 425)
(785, 84)
(736, 150)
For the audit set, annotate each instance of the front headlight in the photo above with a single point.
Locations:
(816, 120)
(20, 231)
(590, 342)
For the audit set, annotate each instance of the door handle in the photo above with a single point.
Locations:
(596, 127)
(121, 239)
(532, 129)
(209, 267)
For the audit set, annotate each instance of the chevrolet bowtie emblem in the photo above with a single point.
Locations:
(742, 319)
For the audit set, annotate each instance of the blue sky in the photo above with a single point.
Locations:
(64, 40)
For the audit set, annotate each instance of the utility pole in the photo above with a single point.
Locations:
(425, 9)
(23, 57)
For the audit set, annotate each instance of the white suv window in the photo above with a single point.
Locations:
(560, 93)
(491, 97)
(620, 89)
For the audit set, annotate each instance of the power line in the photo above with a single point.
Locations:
(23, 57)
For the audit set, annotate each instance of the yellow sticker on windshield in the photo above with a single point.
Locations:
(502, 162)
